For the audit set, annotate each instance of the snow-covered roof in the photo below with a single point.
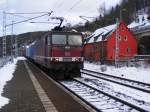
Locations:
(140, 22)
(101, 33)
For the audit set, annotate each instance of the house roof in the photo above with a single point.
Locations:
(140, 22)
(101, 34)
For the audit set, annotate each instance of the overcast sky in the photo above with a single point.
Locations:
(69, 9)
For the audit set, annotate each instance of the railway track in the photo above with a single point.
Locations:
(144, 87)
(100, 98)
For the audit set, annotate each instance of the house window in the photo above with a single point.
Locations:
(126, 38)
(122, 29)
(128, 50)
(120, 38)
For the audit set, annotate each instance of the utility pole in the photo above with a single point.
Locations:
(102, 51)
(16, 47)
(117, 44)
(121, 14)
(4, 34)
(14, 23)
(12, 42)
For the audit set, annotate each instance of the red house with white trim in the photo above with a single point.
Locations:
(101, 45)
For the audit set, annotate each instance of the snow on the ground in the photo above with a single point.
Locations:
(6, 74)
(139, 74)
(126, 93)
(21, 58)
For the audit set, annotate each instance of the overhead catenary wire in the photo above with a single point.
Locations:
(20, 16)
(60, 4)
(74, 5)
(44, 22)
(30, 18)
(27, 12)
(27, 17)
(71, 8)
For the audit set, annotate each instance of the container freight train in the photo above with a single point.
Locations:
(61, 53)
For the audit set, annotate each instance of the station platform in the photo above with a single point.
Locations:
(30, 90)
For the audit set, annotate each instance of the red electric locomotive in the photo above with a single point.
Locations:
(60, 52)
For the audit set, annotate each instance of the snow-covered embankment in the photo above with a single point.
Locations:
(6, 74)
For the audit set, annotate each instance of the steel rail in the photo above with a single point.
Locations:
(115, 98)
(104, 74)
(87, 105)
(120, 83)
(95, 108)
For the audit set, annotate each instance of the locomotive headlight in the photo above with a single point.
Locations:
(78, 59)
(55, 59)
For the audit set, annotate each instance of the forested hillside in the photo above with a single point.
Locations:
(126, 11)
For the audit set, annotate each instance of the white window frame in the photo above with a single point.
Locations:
(125, 38)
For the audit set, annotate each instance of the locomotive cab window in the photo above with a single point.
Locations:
(59, 39)
(74, 40)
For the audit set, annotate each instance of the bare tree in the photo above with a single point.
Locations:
(102, 10)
